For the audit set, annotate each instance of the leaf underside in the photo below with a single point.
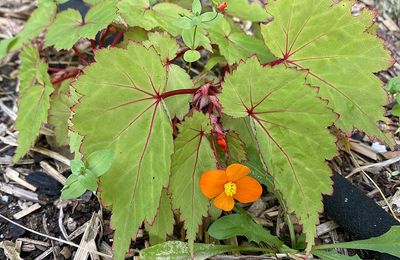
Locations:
(193, 156)
(339, 55)
(120, 110)
(290, 123)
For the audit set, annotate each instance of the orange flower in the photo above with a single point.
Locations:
(232, 183)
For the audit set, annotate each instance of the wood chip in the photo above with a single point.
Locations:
(19, 193)
(52, 154)
(14, 175)
(88, 239)
(374, 165)
(27, 211)
(53, 172)
(9, 250)
(389, 23)
(72, 236)
(363, 149)
(33, 241)
(326, 228)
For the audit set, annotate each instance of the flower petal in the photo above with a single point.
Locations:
(236, 171)
(224, 202)
(248, 190)
(212, 183)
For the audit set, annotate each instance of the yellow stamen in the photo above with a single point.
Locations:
(230, 189)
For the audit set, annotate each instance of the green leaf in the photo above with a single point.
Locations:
(77, 167)
(69, 27)
(388, 243)
(192, 157)
(37, 22)
(396, 110)
(291, 133)
(331, 255)
(74, 188)
(120, 110)
(163, 224)
(178, 250)
(59, 113)
(332, 45)
(34, 100)
(135, 34)
(245, 11)
(164, 44)
(100, 162)
(178, 79)
(191, 56)
(236, 148)
(196, 7)
(393, 86)
(88, 180)
(200, 40)
(214, 60)
(236, 46)
(141, 13)
(242, 225)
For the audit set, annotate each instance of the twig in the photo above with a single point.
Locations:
(27, 211)
(53, 172)
(60, 224)
(54, 238)
(375, 165)
(80, 56)
(19, 193)
(51, 154)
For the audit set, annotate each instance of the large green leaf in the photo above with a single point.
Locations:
(387, 243)
(163, 224)
(37, 22)
(339, 55)
(34, 100)
(290, 125)
(141, 13)
(69, 26)
(177, 250)
(192, 157)
(244, 10)
(236, 46)
(242, 225)
(121, 110)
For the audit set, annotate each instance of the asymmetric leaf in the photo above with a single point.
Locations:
(71, 23)
(163, 224)
(37, 22)
(339, 55)
(34, 101)
(193, 156)
(236, 46)
(236, 148)
(290, 125)
(164, 44)
(121, 110)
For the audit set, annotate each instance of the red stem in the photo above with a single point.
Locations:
(116, 39)
(80, 56)
(55, 69)
(103, 37)
(179, 92)
(219, 165)
(59, 80)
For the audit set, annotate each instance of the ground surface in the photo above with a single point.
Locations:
(72, 219)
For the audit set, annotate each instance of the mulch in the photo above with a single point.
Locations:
(31, 188)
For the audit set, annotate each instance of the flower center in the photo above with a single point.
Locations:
(230, 189)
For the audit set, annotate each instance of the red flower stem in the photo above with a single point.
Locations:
(59, 80)
(178, 92)
(103, 37)
(55, 69)
(116, 39)
(219, 165)
(80, 56)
